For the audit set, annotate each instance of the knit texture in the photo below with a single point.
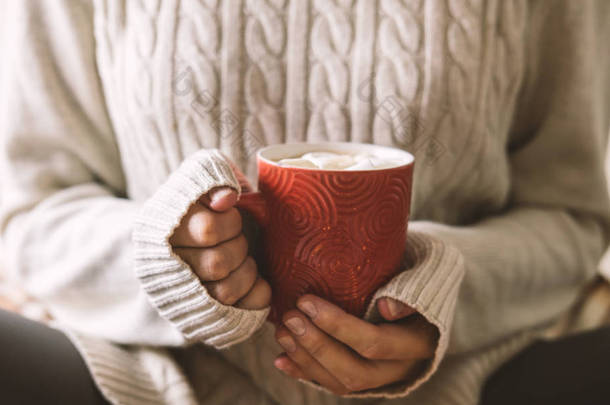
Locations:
(431, 286)
(174, 289)
(114, 115)
(133, 375)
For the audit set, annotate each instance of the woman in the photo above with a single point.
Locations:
(116, 112)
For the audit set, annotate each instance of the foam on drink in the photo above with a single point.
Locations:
(341, 161)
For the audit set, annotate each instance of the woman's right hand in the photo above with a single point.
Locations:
(210, 240)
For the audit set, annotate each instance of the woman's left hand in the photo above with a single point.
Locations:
(345, 354)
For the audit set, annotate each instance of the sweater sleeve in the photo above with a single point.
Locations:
(485, 282)
(70, 235)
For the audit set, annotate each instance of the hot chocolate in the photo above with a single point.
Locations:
(325, 160)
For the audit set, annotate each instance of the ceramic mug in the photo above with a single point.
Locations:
(337, 234)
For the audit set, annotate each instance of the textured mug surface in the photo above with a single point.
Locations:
(337, 234)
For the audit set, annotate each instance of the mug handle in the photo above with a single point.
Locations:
(255, 204)
(250, 201)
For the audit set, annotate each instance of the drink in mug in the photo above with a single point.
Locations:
(334, 218)
(326, 160)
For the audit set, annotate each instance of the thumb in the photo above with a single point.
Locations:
(220, 198)
(391, 309)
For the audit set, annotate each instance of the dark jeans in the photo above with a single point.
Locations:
(39, 365)
(574, 370)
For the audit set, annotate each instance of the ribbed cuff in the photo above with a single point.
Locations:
(431, 287)
(171, 285)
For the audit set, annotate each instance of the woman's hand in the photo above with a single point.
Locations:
(210, 240)
(345, 354)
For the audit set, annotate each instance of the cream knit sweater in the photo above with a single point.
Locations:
(114, 113)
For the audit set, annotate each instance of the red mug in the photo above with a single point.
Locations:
(337, 234)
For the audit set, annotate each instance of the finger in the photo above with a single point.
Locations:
(391, 309)
(258, 297)
(237, 285)
(220, 198)
(394, 371)
(201, 227)
(217, 262)
(241, 178)
(312, 369)
(289, 367)
(386, 373)
(373, 375)
(413, 338)
(346, 366)
(339, 324)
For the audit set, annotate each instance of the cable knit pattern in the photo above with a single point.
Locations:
(506, 76)
(397, 78)
(461, 63)
(196, 72)
(500, 95)
(142, 42)
(332, 35)
(264, 86)
(173, 288)
(119, 112)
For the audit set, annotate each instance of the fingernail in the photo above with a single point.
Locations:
(287, 343)
(394, 307)
(220, 193)
(296, 326)
(309, 308)
(278, 364)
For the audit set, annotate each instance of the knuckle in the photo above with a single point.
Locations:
(259, 297)
(374, 350)
(315, 346)
(206, 229)
(217, 266)
(250, 266)
(250, 262)
(209, 236)
(224, 293)
(330, 322)
(218, 273)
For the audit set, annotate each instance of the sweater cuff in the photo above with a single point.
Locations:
(172, 287)
(430, 286)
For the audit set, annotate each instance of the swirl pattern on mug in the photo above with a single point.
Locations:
(305, 209)
(355, 190)
(338, 235)
(299, 279)
(381, 224)
(337, 258)
(274, 181)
